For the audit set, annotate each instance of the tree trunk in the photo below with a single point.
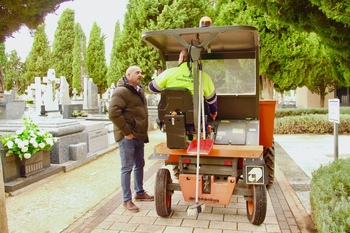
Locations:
(322, 98)
(267, 88)
(2, 82)
(282, 96)
(3, 215)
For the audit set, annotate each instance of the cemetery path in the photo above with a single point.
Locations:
(58, 201)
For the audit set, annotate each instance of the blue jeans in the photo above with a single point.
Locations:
(132, 157)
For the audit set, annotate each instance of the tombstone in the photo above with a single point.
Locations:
(91, 99)
(111, 90)
(85, 96)
(50, 101)
(64, 92)
(50, 98)
(92, 95)
(68, 109)
(153, 99)
(105, 96)
(11, 108)
(74, 92)
(97, 136)
(29, 92)
(67, 132)
(39, 88)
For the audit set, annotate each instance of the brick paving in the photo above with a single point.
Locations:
(285, 213)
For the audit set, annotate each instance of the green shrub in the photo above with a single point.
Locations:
(309, 121)
(330, 197)
(283, 112)
(311, 124)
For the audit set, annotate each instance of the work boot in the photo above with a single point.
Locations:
(129, 205)
(144, 197)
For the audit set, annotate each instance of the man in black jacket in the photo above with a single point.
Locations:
(129, 114)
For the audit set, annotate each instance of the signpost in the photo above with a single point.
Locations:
(334, 116)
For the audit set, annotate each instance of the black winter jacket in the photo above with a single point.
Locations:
(128, 111)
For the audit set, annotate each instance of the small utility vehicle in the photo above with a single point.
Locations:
(240, 159)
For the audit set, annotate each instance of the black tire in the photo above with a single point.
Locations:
(257, 206)
(269, 158)
(162, 197)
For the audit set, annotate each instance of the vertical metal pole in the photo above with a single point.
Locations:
(195, 55)
(335, 141)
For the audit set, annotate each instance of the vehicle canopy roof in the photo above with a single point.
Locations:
(217, 42)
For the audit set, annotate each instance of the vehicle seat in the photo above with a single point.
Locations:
(175, 116)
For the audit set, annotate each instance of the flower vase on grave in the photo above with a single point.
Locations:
(36, 163)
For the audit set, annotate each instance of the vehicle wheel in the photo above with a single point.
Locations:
(257, 206)
(269, 158)
(162, 197)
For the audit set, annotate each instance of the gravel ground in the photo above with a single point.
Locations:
(58, 201)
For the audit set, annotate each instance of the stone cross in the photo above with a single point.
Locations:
(38, 87)
(51, 103)
(74, 92)
(29, 92)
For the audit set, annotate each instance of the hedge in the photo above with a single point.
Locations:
(310, 121)
(330, 197)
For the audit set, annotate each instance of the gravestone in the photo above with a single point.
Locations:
(74, 92)
(90, 96)
(39, 88)
(64, 91)
(50, 100)
(67, 132)
(111, 90)
(85, 94)
(97, 135)
(68, 109)
(29, 92)
(11, 108)
(78, 99)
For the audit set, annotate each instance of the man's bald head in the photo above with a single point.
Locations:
(134, 75)
(183, 56)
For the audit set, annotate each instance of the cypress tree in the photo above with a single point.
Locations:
(79, 58)
(96, 61)
(38, 60)
(153, 15)
(63, 45)
(113, 73)
(3, 58)
(3, 61)
(14, 73)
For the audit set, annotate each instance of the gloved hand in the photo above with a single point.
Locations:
(213, 115)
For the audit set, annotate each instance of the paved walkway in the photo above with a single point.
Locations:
(88, 198)
(286, 211)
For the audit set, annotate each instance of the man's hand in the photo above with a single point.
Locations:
(130, 136)
(213, 115)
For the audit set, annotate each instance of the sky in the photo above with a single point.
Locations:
(104, 12)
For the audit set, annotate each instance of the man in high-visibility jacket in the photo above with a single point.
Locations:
(180, 77)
